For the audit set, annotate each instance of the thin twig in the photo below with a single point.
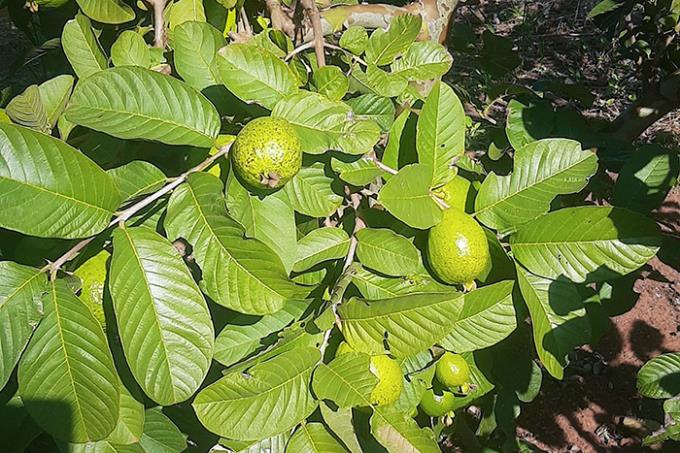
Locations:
(311, 44)
(54, 267)
(315, 18)
(246, 23)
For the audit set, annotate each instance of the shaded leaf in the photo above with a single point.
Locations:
(313, 438)
(660, 377)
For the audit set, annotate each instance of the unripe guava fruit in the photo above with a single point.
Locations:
(457, 248)
(452, 370)
(390, 380)
(267, 153)
(92, 274)
(436, 404)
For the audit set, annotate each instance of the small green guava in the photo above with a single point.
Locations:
(452, 370)
(457, 248)
(436, 404)
(390, 380)
(266, 153)
(92, 274)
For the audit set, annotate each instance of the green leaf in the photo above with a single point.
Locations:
(102, 446)
(49, 189)
(235, 342)
(160, 434)
(340, 422)
(137, 178)
(163, 321)
(645, 179)
(271, 398)
(384, 46)
(132, 102)
(424, 60)
(398, 432)
(195, 53)
(82, 48)
(241, 274)
(130, 420)
(407, 324)
(660, 377)
(21, 289)
(358, 173)
(487, 317)
(54, 94)
(587, 243)
(387, 252)
(28, 110)
(347, 380)
(130, 49)
(323, 244)
(441, 132)
(542, 170)
(274, 444)
(603, 7)
(183, 11)
(558, 318)
(407, 197)
(382, 83)
(527, 123)
(354, 39)
(67, 378)
(270, 219)
(107, 11)
(331, 82)
(254, 74)
(310, 192)
(372, 107)
(314, 438)
(373, 286)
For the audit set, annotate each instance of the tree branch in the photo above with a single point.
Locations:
(54, 267)
(158, 22)
(313, 15)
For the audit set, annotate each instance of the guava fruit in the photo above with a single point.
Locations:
(436, 404)
(92, 274)
(457, 248)
(452, 370)
(390, 380)
(457, 193)
(266, 153)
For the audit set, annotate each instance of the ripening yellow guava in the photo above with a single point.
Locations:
(92, 273)
(452, 370)
(457, 248)
(267, 153)
(390, 380)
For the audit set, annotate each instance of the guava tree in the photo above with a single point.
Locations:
(255, 227)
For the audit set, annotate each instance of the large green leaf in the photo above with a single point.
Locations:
(424, 60)
(372, 107)
(242, 274)
(347, 380)
(130, 49)
(137, 178)
(195, 53)
(441, 132)
(183, 11)
(67, 378)
(132, 102)
(660, 377)
(163, 321)
(255, 75)
(271, 398)
(130, 420)
(558, 318)
(322, 244)
(331, 82)
(528, 123)
(311, 193)
(28, 110)
(107, 11)
(542, 170)
(374, 286)
(407, 196)
(50, 189)
(313, 438)
(237, 341)
(358, 172)
(102, 446)
(407, 324)
(487, 317)
(160, 434)
(587, 243)
(21, 289)
(82, 48)
(387, 252)
(54, 94)
(340, 422)
(398, 432)
(384, 46)
(270, 219)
